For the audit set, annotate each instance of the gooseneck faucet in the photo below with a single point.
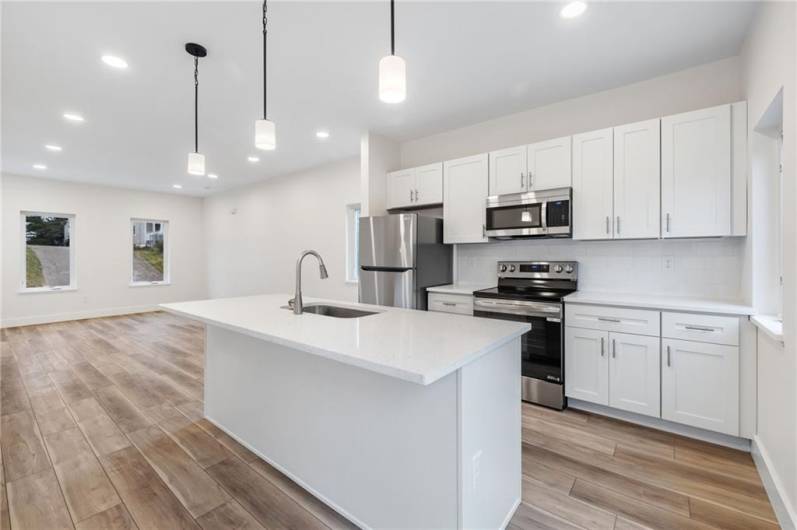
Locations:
(296, 303)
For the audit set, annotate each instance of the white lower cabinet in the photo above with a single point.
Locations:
(460, 304)
(700, 385)
(634, 373)
(587, 365)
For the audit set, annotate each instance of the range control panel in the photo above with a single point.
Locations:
(538, 269)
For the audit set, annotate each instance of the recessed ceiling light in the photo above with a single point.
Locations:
(253, 158)
(40, 167)
(52, 147)
(177, 186)
(71, 116)
(114, 61)
(573, 9)
(322, 134)
(212, 176)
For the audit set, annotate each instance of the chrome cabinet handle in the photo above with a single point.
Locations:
(607, 224)
(667, 223)
(410, 195)
(522, 180)
(484, 230)
(602, 347)
(605, 319)
(450, 304)
(698, 328)
(614, 348)
(618, 225)
(669, 363)
(530, 182)
(416, 195)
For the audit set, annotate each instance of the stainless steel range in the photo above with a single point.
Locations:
(532, 292)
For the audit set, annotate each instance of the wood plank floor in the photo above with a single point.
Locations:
(102, 428)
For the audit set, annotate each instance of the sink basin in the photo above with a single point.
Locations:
(334, 311)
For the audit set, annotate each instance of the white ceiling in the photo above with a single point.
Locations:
(467, 62)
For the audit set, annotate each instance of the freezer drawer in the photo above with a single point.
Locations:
(390, 288)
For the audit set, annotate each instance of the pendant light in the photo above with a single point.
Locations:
(196, 160)
(265, 130)
(392, 70)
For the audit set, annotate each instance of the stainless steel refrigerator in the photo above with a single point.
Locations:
(400, 256)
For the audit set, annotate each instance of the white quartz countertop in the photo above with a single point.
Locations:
(770, 325)
(416, 346)
(663, 302)
(459, 288)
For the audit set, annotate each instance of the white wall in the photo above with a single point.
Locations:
(703, 86)
(769, 60)
(255, 234)
(103, 249)
(709, 268)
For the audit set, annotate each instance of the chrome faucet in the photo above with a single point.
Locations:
(296, 303)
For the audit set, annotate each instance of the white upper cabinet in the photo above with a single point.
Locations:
(696, 179)
(634, 373)
(636, 180)
(508, 171)
(414, 187)
(465, 182)
(593, 175)
(400, 188)
(429, 184)
(700, 385)
(549, 164)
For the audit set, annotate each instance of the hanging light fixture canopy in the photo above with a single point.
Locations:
(196, 160)
(392, 69)
(265, 130)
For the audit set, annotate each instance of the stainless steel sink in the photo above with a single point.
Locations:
(334, 311)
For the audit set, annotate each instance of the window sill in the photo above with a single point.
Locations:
(148, 284)
(39, 290)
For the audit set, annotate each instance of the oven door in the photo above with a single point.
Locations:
(541, 348)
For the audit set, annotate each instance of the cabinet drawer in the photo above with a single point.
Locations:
(701, 328)
(460, 304)
(636, 321)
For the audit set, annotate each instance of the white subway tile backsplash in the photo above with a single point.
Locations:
(710, 268)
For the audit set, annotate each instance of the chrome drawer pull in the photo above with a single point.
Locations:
(450, 304)
(668, 357)
(605, 319)
(602, 348)
(699, 328)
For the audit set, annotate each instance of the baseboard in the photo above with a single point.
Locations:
(734, 442)
(75, 315)
(785, 512)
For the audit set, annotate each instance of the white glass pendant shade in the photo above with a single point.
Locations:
(392, 79)
(196, 164)
(265, 135)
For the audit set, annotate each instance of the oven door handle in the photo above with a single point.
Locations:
(551, 312)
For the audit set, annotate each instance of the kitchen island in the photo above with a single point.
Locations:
(400, 419)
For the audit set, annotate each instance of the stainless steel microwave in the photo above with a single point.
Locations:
(532, 214)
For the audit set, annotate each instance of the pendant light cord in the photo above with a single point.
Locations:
(196, 104)
(265, 78)
(392, 30)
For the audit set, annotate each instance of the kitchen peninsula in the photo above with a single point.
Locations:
(399, 418)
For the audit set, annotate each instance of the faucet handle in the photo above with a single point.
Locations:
(292, 303)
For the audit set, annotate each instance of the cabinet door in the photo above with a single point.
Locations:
(593, 176)
(464, 199)
(587, 365)
(508, 171)
(696, 173)
(700, 385)
(549, 164)
(429, 184)
(637, 180)
(634, 373)
(400, 188)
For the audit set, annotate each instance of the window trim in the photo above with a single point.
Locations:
(351, 246)
(167, 259)
(23, 288)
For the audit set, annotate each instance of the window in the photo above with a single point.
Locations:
(150, 252)
(48, 252)
(352, 242)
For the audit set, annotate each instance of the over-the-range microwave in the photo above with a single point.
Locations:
(531, 214)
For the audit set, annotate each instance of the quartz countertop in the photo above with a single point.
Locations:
(416, 346)
(770, 325)
(459, 288)
(662, 302)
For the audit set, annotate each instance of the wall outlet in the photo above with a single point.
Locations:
(667, 263)
(476, 469)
